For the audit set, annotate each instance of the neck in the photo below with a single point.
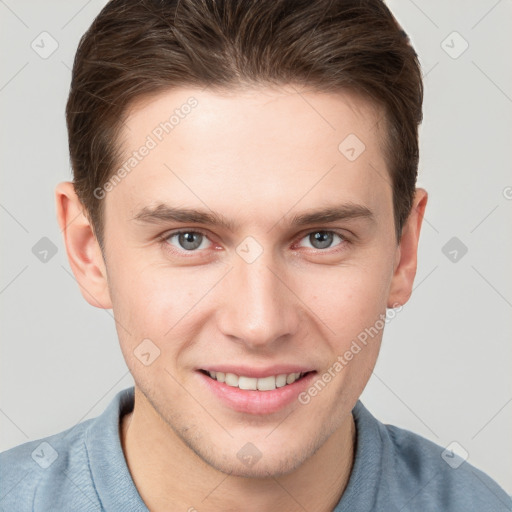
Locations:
(169, 475)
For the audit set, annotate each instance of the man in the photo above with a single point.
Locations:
(244, 201)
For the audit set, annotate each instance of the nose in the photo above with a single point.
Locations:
(258, 308)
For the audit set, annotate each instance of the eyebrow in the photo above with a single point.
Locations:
(165, 213)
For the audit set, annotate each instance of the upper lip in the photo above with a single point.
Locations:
(258, 373)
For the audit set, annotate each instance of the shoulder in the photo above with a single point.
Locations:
(396, 469)
(432, 477)
(45, 473)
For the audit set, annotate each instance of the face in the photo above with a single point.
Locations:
(254, 286)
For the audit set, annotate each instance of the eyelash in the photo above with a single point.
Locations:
(183, 252)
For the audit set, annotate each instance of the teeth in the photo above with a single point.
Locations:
(267, 383)
(247, 383)
(231, 380)
(281, 380)
(252, 383)
(292, 377)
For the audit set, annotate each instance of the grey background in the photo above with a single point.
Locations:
(444, 368)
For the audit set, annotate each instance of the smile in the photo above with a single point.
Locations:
(252, 383)
(261, 392)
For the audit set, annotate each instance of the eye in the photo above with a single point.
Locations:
(188, 240)
(322, 239)
(194, 241)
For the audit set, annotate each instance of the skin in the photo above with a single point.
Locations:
(258, 157)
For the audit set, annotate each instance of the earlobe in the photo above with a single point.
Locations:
(407, 253)
(83, 250)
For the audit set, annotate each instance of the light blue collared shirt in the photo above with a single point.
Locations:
(83, 469)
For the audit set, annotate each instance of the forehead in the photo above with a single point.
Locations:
(238, 149)
(260, 112)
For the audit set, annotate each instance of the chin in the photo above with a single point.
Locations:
(263, 459)
(250, 451)
(275, 465)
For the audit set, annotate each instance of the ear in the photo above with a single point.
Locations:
(84, 253)
(406, 254)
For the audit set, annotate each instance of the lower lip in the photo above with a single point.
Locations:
(256, 402)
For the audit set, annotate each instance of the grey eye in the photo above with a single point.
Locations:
(188, 240)
(322, 239)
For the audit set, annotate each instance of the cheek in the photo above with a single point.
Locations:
(353, 306)
(351, 298)
(150, 309)
(152, 302)
(165, 305)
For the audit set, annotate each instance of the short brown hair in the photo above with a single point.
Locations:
(136, 48)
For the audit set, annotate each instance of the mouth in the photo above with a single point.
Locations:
(244, 382)
(255, 392)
